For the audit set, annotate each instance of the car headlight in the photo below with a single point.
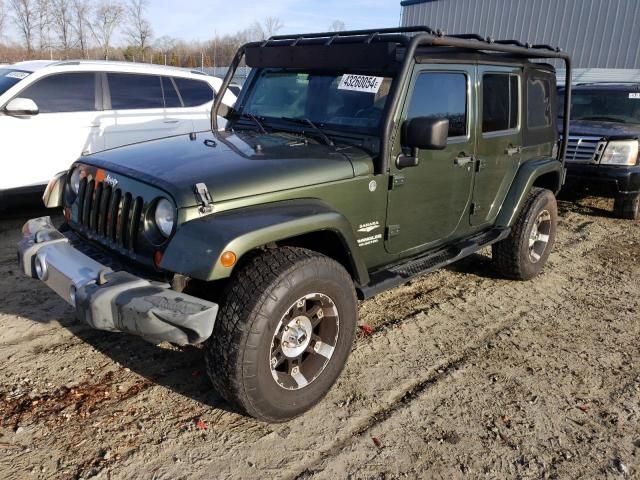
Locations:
(165, 217)
(620, 152)
(74, 181)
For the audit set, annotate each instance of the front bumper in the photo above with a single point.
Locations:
(603, 180)
(108, 300)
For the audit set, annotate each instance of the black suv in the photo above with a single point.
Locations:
(602, 156)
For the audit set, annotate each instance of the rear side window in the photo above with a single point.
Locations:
(538, 102)
(8, 78)
(441, 95)
(135, 92)
(171, 98)
(67, 92)
(500, 101)
(193, 92)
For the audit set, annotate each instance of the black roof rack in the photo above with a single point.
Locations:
(411, 38)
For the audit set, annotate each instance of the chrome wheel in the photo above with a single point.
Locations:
(304, 341)
(539, 236)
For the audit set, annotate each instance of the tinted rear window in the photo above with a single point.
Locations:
(194, 92)
(171, 98)
(135, 92)
(9, 77)
(441, 95)
(538, 102)
(65, 92)
(499, 102)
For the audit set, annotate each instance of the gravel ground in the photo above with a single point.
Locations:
(460, 375)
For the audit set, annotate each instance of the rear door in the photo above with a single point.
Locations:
(136, 110)
(429, 203)
(68, 125)
(499, 140)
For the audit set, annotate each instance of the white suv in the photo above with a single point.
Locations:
(51, 113)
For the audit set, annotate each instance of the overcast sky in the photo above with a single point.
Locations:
(199, 19)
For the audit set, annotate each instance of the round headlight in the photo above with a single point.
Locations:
(74, 181)
(165, 217)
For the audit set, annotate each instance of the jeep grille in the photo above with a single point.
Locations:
(585, 149)
(108, 214)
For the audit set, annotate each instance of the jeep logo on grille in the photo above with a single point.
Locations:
(111, 181)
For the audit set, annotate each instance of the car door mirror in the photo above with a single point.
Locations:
(21, 107)
(425, 133)
(422, 133)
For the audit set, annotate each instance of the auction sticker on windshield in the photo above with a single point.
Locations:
(360, 83)
(18, 75)
(635, 95)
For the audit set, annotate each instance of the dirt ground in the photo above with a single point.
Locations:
(462, 375)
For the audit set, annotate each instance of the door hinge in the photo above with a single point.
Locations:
(475, 208)
(397, 181)
(393, 231)
(480, 164)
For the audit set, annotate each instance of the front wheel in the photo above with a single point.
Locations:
(523, 254)
(627, 207)
(283, 334)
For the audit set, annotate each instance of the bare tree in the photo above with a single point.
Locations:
(337, 26)
(24, 18)
(272, 25)
(139, 29)
(106, 18)
(62, 22)
(43, 23)
(3, 16)
(80, 24)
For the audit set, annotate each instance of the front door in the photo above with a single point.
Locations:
(429, 204)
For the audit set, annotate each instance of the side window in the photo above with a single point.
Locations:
(67, 92)
(538, 102)
(500, 101)
(171, 98)
(194, 92)
(134, 92)
(441, 95)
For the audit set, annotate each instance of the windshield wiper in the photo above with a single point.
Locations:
(318, 130)
(255, 120)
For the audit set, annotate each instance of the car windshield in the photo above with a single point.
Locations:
(9, 77)
(331, 101)
(606, 105)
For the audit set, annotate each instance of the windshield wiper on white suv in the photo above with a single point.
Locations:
(255, 120)
(318, 130)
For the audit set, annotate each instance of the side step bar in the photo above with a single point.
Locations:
(416, 266)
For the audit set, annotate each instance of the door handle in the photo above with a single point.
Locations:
(171, 121)
(95, 125)
(511, 151)
(463, 161)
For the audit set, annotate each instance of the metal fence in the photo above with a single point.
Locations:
(241, 74)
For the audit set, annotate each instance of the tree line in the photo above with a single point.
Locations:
(95, 29)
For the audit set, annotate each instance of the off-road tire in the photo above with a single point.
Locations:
(627, 207)
(511, 256)
(261, 291)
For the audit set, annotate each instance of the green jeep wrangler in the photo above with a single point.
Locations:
(351, 163)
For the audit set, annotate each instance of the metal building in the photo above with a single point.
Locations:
(599, 34)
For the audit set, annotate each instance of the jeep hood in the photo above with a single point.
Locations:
(599, 128)
(232, 165)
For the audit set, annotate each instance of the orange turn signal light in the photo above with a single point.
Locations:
(157, 258)
(228, 259)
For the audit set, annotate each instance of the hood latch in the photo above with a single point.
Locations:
(206, 202)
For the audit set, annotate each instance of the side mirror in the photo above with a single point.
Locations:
(21, 107)
(424, 133)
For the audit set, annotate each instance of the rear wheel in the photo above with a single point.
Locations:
(283, 334)
(627, 207)
(523, 254)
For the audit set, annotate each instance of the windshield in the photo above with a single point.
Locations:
(331, 101)
(9, 77)
(605, 105)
